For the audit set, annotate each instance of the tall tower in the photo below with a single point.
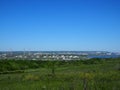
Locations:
(29, 53)
(11, 52)
(24, 53)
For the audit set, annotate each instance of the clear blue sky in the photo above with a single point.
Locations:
(82, 25)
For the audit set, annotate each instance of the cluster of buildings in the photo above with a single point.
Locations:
(53, 55)
(41, 56)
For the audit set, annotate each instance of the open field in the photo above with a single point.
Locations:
(96, 74)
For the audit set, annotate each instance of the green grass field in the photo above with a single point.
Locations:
(68, 76)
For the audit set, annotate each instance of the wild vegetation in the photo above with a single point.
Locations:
(93, 74)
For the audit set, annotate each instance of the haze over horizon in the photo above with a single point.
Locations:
(60, 25)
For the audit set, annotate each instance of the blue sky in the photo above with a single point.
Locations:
(80, 25)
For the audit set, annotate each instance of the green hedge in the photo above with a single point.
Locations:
(12, 65)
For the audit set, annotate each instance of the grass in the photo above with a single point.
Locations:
(100, 76)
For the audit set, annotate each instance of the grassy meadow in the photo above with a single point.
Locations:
(93, 74)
